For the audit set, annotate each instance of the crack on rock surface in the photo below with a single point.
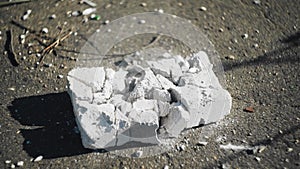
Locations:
(148, 104)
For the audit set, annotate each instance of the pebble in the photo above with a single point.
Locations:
(26, 15)
(88, 11)
(179, 4)
(230, 57)
(256, 2)
(52, 16)
(90, 3)
(160, 11)
(7, 161)
(245, 36)
(75, 13)
(249, 109)
(95, 17)
(20, 163)
(202, 8)
(38, 158)
(45, 30)
(166, 167)
(255, 45)
(142, 21)
(12, 166)
(107, 6)
(221, 30)
(60, 76)
(261, 149)
(106, 22)
(289, 150)
(143, 4)
(11, 88)
(257, 159)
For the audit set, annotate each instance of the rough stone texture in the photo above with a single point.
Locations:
(131, 104)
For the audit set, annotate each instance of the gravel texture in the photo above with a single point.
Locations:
(258, 42)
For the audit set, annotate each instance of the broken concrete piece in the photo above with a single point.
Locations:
(167, 68)
(177, 120)
(162, 95)
(164, 82)
(113, 108)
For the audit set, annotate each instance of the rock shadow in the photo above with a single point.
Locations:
(49, 126)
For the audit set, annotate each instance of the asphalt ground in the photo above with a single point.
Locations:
(262, 71)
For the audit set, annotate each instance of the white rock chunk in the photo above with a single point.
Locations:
(113, 108)
(119, 85)
(162, 95)
(164, 82)
(167, 68)
(177, 120)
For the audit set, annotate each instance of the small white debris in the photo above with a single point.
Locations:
(160, 11)
(230, 57)
(11, 88)
(90, 3)
(45, 30)
(143, 4)
(20, 163)
(38, 158)
(245, 36)
(53, 16)
(75, 13)
(261, 149)
(255, 45)
(26, 15)
(202, 8)
(229, 146)
(60, 76)
(12, 166)
(256, 2)
(106, 22)
(289, 150)
(142, 21)
(88, 11)
(166, 167)
(7, 161)
(257, 159)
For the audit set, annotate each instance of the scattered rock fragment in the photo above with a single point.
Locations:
(26, 15)
(249, 109)
(245, 36)
(257, 159)
(202, 8)
(45, 30)
(20, 163)
(230, 57)
(88, 11)
(143, 4)
(38, 158)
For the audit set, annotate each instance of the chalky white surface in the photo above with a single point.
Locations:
(113, 108)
